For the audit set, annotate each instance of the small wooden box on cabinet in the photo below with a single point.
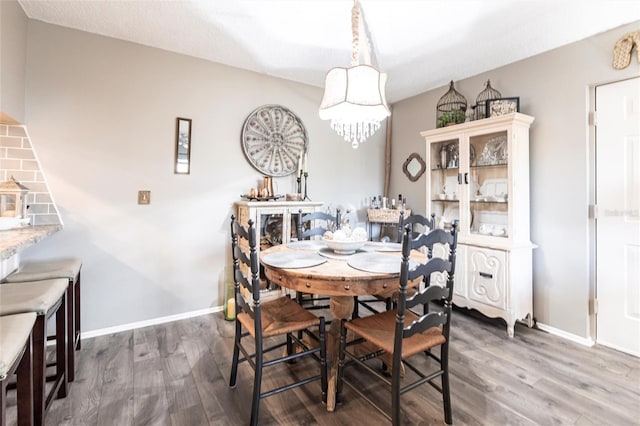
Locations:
(479, 175)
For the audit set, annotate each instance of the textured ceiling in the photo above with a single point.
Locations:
(420, 44)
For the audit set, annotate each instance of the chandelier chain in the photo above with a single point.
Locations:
(355, 53)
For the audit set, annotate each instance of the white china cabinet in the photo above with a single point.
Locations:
(276, 223)
(479, 175)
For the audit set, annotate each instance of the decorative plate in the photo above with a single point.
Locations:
(494, 152)
(273, 139)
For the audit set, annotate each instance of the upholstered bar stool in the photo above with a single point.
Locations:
(68, 268)
(45, 298)
(15, 358)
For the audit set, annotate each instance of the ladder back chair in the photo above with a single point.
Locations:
(406, 334)
(426, 224)
(306, 231)
(259, 325)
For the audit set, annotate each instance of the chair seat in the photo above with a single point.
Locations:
(14, 332)
(379, 329)
(37, 270)
(36, 296)
(280, 316)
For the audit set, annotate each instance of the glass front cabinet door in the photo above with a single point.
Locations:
(478, 175)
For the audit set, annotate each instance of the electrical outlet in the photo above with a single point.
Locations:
(144, 197)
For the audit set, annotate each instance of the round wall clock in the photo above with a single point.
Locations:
(273, 139)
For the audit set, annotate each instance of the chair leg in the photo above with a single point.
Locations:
(71, 366)
(323, 360)
(355, 308)
(76, 308)
(446, 391)
(3, 402)
(39, 369)
(62, 358)
(396, 376)
(236, 355)
(24, 387)
(257, 384)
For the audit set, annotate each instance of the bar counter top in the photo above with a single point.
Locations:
(13, 241)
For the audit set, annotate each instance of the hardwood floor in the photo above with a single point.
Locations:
(177, 374)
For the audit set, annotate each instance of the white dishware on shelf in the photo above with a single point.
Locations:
(494, 188)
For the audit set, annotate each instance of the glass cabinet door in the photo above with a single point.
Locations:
(487, 183)
(271, 229)
(444, 191)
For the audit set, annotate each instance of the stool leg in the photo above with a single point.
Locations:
(62, 359)
(76, 308)
(39, 369)
(25, 387)
(3, 402)
(70, 331)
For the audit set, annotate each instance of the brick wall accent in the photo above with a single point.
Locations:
(18, 159)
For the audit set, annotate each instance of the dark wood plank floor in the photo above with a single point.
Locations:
(177, 374)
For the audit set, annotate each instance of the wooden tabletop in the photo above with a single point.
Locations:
(335, 277)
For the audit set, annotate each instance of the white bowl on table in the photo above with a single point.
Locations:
(344, 246)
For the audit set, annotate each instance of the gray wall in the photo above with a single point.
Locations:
(556, 88)
(101, 115)
(13, 48)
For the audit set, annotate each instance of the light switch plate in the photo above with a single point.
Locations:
(144, 197)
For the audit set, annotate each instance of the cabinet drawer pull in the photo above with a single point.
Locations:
(486, 275)
(308, 285)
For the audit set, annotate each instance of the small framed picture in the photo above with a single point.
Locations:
(183, 146)
(502, 106)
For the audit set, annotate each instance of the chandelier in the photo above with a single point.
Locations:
(354, 97)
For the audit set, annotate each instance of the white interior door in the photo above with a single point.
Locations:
(618, 218)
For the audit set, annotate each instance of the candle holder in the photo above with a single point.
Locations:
(306, 197)
(299, 180)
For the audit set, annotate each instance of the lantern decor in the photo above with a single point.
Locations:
(450, 108)
(13, 204)
(481, 101)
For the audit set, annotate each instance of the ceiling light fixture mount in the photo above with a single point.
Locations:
(354, 98)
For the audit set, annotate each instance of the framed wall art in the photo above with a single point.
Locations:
(502, 106)
(183, 146)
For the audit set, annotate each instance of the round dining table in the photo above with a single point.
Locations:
(370, 271)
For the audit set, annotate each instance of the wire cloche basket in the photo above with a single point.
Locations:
(481, 101)
(451, 108)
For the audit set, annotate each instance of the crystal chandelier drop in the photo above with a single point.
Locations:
(354, 98)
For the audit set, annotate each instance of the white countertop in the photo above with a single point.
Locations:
(13, 241)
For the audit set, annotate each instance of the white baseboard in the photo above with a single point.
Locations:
(146, 323)
(557, 332)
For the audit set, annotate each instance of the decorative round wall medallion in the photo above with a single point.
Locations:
(273, 139)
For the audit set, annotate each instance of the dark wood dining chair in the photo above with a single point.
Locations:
(405, 334)
(308, 226)
(313, 225)
(258, 325)
(426, 224)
